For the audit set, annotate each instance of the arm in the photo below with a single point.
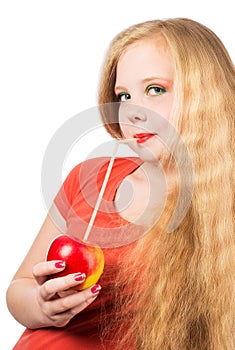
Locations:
(33, 300)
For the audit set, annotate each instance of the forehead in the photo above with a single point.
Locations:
(145, 57)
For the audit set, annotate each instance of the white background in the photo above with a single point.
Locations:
(50, 57)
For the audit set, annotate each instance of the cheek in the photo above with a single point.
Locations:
(166, 108)
(123, 121)
(125, 129)
(162, 105)
(128, 128)
(121, 113)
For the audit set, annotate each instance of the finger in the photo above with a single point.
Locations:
(61, 319)
(69, 306)
(64, 293)
(77, 309)
(42, 270)
(60, 284)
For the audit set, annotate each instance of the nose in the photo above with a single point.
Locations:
(135, 117)
(133, 113)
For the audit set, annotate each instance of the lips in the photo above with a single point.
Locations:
(143, 137)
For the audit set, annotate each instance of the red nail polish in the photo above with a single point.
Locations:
(59, 264)
(79, 276)
(95, 289)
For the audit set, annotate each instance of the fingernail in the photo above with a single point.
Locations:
(95, 289)
(79, 276)
(59, 264)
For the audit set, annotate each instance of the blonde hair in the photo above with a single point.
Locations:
(184, 297)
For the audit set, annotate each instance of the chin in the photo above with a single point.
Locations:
(149, 154)
(149, 157)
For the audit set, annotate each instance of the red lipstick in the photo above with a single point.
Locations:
(143, 137)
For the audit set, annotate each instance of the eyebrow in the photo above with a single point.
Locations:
(146, 80)
(119, 88)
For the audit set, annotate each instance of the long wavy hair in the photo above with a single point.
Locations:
(183, 297)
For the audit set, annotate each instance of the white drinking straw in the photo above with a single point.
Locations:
(103, 187)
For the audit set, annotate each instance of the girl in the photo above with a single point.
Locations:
(165, 290)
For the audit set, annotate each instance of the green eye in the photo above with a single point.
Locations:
(154, 90)
(123, 96)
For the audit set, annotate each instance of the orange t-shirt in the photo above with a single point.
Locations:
(75, 201)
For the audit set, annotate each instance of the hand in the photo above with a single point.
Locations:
(58, 302)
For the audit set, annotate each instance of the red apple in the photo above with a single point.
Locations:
(79, 257)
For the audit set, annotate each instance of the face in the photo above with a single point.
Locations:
(144, 87)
